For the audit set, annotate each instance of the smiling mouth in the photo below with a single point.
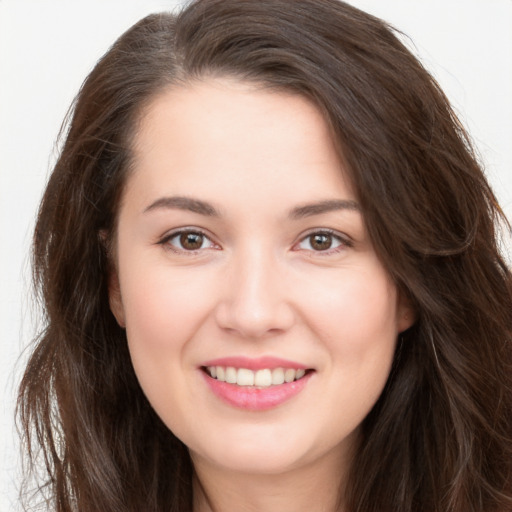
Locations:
(263, 378)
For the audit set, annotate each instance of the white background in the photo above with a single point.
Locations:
(48, 47)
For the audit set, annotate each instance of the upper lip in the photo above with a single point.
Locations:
(258, 363)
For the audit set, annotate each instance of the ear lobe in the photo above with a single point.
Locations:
(115, 299)
(406, 314)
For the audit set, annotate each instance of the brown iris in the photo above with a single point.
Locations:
(191, 241)
(320, 241)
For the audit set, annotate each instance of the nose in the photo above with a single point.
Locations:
(254, 303)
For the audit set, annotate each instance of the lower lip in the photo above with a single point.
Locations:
(256, 399)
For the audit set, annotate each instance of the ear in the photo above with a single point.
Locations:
(114, 289)
(115, 299)
(406, 313)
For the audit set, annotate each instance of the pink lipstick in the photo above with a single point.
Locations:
(255, 384)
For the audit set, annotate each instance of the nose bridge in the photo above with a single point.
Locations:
(254, 302)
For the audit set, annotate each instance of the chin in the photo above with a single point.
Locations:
(263, 451)
(255, 462)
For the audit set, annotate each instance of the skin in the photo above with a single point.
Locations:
(256, 286)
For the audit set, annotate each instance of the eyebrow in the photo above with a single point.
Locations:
(207, 209)
(326, 206)
(184, 203)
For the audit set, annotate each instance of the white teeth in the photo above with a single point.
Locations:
(231, 375)
(261, 378)
(299, 374)
(277, 376)
(245, 377)
(289, 375)
(221, 374)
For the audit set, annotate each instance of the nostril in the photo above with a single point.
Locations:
(250, 319)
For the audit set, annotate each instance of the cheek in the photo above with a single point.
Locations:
(356, 324)
(354, 310)
(159, 302)
(163, 311)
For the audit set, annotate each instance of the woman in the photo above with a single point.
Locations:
(271, 275)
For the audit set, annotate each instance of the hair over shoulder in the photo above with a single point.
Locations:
(439, 438)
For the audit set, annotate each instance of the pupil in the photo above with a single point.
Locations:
(191, 241)
(321, 242)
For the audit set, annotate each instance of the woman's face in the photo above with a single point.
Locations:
(243, 263)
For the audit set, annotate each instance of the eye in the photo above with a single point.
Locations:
(188, 241)
(322, 241)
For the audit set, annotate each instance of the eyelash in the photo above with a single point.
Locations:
(343, 241)
(166, 241)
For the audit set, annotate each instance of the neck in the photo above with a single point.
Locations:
(306, 489)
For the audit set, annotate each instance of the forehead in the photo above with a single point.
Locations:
(220, 135)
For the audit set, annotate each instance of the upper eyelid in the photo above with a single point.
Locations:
(338, 234)
(185, 229)
(169, 235)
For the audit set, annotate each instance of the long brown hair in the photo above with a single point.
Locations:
(439, 438)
